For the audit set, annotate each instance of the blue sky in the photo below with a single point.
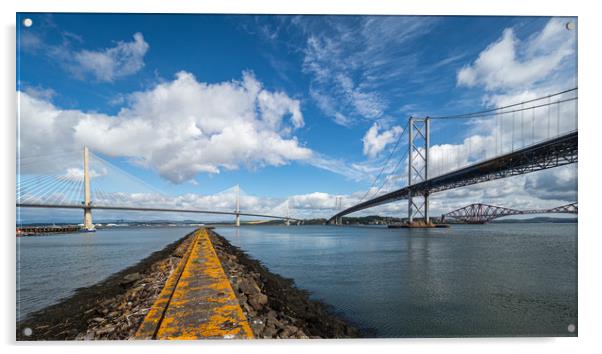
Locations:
(305, 106)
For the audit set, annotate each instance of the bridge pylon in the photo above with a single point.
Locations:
(288, 220)
(418, 166)
(88, 224)
(238, 205)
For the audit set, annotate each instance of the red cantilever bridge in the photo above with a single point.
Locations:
(479, 213)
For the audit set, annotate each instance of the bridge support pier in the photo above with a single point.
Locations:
(88, 224)
(427, 218)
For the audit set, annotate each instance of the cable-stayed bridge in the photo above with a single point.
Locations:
(99, 185)
(520, 138)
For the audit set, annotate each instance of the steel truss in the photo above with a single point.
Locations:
(418, 163)
(479, 213)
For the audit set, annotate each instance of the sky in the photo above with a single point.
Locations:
(297, 110)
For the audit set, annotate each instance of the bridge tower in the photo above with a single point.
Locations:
(338, 206)
(88, 225)
(288, 221)
(418, 166)
(238, 205)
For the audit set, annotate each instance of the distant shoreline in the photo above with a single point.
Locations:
(136, 224)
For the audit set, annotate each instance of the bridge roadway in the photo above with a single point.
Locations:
(547, 154)
(174, 210)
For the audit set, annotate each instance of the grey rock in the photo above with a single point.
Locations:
(293, 329)
(301, 335)
(258, 301)
(105, 330)
(248, 287)
(272, 314)
(273, 321)
(269, 332)
(130, 278)
(257, 327)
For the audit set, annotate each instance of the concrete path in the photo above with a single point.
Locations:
(197, 301)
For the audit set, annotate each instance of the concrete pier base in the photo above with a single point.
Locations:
(416, 225)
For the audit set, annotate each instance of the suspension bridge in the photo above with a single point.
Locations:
(516, 139)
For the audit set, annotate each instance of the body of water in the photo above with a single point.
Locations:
(50, 268)
(468, 280)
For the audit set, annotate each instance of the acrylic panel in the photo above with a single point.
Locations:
(197, 176)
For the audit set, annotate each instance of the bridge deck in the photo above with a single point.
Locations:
(197, 301)
(151, 209)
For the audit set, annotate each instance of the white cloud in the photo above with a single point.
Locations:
(509, 62)
(178, 128)
(77, 174)
(375, 142)
(104, 65)
(558, 184)
(350, 61)
(40, 92)
(124, 59)
(367, 104)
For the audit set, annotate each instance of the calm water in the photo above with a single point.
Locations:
(486, 280)
(50, 268)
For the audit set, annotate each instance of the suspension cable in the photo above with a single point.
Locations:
(386, 162)
(480, 114)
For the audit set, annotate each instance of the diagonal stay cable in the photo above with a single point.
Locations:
(111, 166)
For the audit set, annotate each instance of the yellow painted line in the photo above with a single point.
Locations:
(202, 303)
(150, 325)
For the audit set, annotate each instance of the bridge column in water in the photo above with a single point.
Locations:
(88, 225)
(418, 165)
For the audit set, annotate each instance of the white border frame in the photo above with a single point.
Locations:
(589, 239)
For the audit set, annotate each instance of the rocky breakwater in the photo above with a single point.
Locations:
(274, 307)
(111, 309)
